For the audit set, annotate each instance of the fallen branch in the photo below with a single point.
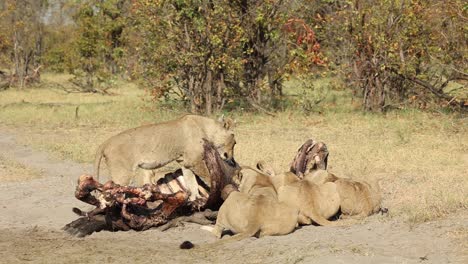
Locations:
(260, 108)
(452, 100)
(52, 105)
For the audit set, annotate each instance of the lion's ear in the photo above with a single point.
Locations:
(265, 168)
(261, 165)
(229, 124)
(221, 119)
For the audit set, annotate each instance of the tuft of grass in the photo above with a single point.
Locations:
(12, 171)
(460, 235)
(420, 157)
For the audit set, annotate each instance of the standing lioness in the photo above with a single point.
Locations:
(152, 146)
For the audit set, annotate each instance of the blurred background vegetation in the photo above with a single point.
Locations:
(207, 56)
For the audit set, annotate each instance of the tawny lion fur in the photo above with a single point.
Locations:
(153, 146)
(358, 199)
(255, 210)
(321, 194)
(315, 202)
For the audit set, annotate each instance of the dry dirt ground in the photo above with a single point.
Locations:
(33, 211)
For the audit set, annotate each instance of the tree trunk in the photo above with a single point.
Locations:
(208, 86)
(18, 73)
(219, 92)
(191, 94)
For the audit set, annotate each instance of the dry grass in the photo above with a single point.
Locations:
(12, 171)
(460, 235)
(420, 157)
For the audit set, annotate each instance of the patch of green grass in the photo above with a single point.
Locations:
(317, 95)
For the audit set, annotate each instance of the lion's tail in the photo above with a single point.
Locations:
(237, 237)
(97, 160)
(318, 219)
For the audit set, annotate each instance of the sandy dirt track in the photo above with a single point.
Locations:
(33, 212)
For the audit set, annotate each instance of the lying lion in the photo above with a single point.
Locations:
(320, 195)
(315, 202)
(254, 210)
(358, 199)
